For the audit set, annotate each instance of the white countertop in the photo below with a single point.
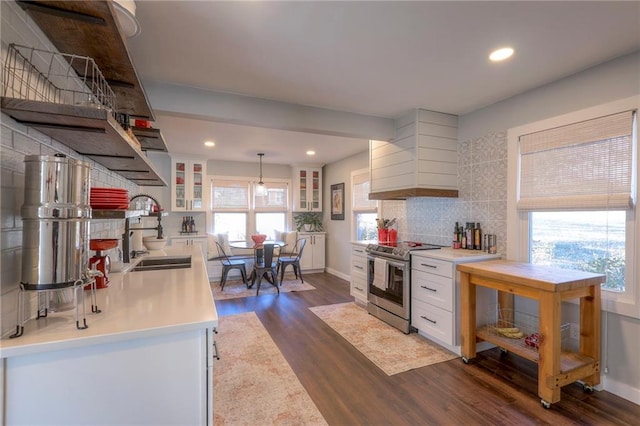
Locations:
(136, 305)
(455, 255)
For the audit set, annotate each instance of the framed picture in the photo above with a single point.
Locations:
(337, 201)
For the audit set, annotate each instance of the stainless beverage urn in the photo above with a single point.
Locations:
(55, 215)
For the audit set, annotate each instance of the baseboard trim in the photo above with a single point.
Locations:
(338, 274)
(622, 390)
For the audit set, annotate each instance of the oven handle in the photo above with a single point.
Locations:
(390, 262)
(397, 265)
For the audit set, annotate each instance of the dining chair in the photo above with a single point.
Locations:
(265, 265)
(293, 260)
(228, 264)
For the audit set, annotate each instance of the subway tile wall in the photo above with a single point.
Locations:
(17, 142)
(482, 184)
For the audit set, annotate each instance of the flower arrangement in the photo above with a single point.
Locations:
(385, 223)
(387, 235)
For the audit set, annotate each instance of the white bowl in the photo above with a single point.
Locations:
(153, 243)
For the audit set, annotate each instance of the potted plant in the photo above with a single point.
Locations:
(308, 221)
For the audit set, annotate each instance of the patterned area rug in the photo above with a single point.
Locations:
(391, 350)
(236, 288)
(252, 382)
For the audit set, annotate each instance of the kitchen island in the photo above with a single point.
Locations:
(550, 287)
(146, 358)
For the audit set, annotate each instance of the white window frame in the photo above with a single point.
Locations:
(251, 209)
(355, 211)
(518, 224)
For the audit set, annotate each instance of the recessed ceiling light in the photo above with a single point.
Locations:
(501, 54)
(209, 144)
(310, 152)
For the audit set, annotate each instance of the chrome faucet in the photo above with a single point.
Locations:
(126, 237)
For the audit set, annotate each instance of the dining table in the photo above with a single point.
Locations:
(258, 250)
(253, 245)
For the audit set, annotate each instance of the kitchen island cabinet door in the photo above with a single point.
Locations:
(154, 380)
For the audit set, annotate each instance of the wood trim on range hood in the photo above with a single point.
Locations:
(403, 194)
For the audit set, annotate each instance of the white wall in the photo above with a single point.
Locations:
(616, 79)
(338, 255)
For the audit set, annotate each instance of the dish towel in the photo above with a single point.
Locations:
(380, 273)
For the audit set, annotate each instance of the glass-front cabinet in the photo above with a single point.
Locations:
(187, 185)
(307, 195)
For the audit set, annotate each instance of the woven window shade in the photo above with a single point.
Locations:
(230, 194)
(361, 189)
(581, 166)
(276, 198)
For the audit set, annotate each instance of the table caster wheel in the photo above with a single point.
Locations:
(587, 388)
(545, 404)
(465, 360)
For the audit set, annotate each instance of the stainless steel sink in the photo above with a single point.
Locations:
(161, 263)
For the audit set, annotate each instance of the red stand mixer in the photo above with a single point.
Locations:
(102, 261)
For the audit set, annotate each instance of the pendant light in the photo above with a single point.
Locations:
(261, 189)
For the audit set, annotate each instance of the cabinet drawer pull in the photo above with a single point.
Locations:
(216, 355)
(358, 251)
(358, 288)
(358, 267)
(429, 266)
(428, 288)
(427, 319)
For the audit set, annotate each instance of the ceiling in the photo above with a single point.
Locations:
(381, 59)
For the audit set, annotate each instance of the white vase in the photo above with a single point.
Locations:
(307, 227)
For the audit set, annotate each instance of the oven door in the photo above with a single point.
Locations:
(393, 294)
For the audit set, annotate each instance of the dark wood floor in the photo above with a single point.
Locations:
(348, 389)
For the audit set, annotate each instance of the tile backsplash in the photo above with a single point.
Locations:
(17, 142)
(482, 185)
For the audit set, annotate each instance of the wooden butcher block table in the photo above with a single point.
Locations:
(550, 286)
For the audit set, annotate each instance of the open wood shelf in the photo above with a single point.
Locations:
(89, 131)
(150, 139)
(90, 28)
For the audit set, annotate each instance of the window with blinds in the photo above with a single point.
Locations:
(230, 194)
(275, 198)
(360, 191)
(581, 166)
(363, 210)
(239, 210)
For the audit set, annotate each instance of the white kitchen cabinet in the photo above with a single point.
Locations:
(435, 294)
(188, 185)
(190, 240)
(153, 380)
(313, 256)
(358, 276)
(307, 189)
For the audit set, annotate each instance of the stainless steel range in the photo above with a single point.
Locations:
(389, 281)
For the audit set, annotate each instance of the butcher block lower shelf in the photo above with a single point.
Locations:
(568, 360)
